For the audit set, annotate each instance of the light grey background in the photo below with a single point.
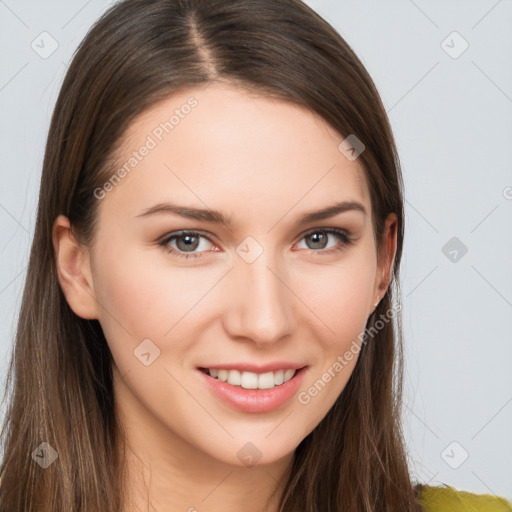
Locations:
(451, 112)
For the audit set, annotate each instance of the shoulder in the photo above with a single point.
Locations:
(447, 499)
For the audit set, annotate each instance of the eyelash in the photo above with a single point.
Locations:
(339, 234)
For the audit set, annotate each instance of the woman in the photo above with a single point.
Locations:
(210, 317)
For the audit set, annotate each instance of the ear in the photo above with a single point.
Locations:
(386, 258)
(74, 270)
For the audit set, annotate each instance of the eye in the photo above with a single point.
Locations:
(319, 239)
(186, 243)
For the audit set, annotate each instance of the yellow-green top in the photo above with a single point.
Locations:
(448, 499)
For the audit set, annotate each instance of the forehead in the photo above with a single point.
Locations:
(235, 150)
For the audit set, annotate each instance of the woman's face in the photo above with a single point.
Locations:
(266, 290)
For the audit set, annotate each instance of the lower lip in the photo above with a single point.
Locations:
(255, 400)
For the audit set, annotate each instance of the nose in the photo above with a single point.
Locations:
(259, 308)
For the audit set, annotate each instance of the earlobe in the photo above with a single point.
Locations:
(74, 270)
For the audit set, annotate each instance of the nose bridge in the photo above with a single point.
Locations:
(260, 308)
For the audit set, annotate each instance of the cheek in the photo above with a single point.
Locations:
(340, 295)
(146, 297)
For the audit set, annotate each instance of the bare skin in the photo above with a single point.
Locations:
(264, 163)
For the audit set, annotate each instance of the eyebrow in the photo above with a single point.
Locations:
(216, 217)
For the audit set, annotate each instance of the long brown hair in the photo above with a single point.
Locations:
(60, 375)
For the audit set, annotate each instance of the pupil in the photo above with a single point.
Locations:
(188, 244)
(317, 236)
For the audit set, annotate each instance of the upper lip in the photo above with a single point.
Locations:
(255, 368)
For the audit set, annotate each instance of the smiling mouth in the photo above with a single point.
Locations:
(251, 380)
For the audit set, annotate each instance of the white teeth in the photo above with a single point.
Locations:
(250, 380)
(266, 380)
(288, 374)
(234, 377)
